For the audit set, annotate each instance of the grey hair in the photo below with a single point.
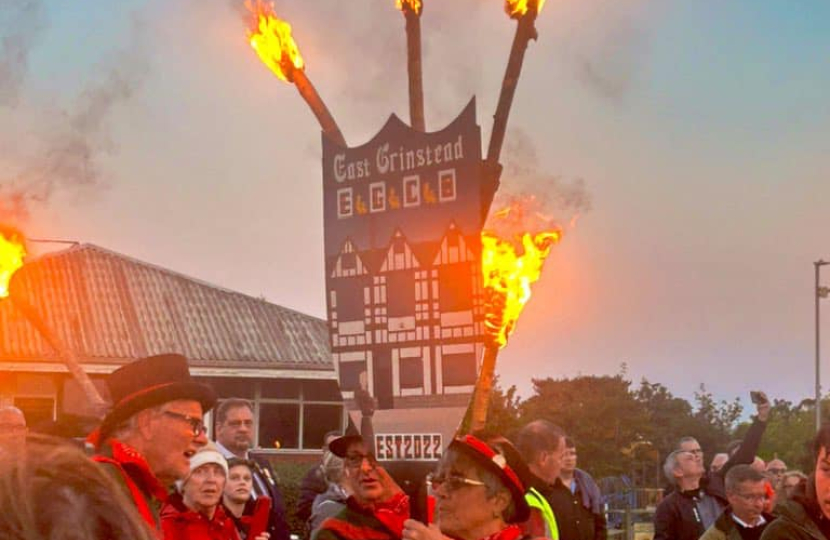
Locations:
(493, 485)
(333, 468)
(670, 465)
(740, 474)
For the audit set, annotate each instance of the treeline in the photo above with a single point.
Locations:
(622, 428)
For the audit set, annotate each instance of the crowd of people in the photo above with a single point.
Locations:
(153, 474)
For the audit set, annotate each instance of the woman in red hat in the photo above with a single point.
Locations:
(478, 496)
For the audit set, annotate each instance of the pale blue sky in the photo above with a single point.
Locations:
(701, 130)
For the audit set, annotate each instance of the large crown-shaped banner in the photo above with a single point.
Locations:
(403, 218)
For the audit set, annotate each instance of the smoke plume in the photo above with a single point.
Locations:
(21, 23)
(68, 142)
(549, 200)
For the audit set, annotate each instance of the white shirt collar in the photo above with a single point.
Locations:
(746, 525)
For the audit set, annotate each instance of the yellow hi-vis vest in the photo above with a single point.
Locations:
(536, 500)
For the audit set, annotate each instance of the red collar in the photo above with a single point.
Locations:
(135, 464)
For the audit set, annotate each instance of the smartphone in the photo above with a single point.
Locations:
(756, 397)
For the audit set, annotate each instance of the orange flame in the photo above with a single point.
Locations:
(12, 252)
(518, 8)
(271, 39)
(508, 275)
(414, 5)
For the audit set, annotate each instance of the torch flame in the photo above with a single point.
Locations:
(12, 252)
(271, 39)
(518, 8)
(508, 275)
(414, 5)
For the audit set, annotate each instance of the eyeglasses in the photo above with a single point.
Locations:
(355, 461)
(196, 424)
(695, 452)
(451, 482)
(775, 470)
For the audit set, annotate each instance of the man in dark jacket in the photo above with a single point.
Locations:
(807, 515)
(578, 499)
(699, 498)
(744, 519)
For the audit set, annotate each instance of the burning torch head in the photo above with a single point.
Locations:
(413, 6)
(12, 253)
(271, 39)
(517, 9)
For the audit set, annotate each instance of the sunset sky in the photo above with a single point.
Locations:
(691, 139)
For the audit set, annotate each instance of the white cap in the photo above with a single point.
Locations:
(206, 456)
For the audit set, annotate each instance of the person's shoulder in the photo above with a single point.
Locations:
(714, 533)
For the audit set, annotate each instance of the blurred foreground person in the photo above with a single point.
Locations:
(54, 492)
(196, 514)
(806, 516)
(376, 508)
(154, 427)
(478, 496)
(13, 431)
(745, 517)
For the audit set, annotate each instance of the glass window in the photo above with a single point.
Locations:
(36, 410)
(321, 391)
(279, 425)
(319, 420)
(280, 388)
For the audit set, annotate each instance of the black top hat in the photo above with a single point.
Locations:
(497, 463)
(149, 382)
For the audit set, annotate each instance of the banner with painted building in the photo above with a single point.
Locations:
(403, 217)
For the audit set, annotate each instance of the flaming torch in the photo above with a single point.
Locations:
(509, 266)
(12, 253)
(271, 39)
(411, 10)
(525, 12)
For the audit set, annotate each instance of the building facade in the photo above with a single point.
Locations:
(110, 309)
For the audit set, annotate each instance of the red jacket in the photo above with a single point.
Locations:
(182, 523)
(131, 471)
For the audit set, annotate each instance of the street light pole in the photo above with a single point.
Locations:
(820, 292)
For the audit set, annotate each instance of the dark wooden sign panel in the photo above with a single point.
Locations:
(403, 217)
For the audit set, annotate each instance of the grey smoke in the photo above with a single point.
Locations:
(21, 24)
(69, 146)
(556, 198)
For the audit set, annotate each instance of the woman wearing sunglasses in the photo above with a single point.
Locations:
(478, 496)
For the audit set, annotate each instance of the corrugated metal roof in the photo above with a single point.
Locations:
(108, 307)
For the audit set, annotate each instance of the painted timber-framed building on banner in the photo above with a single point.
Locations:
(111, 309)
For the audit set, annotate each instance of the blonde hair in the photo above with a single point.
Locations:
(52, 491)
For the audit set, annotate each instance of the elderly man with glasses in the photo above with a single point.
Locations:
(376, 508)
(699, 497)
(152, 430)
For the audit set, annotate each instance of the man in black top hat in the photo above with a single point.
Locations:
(153, 429)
